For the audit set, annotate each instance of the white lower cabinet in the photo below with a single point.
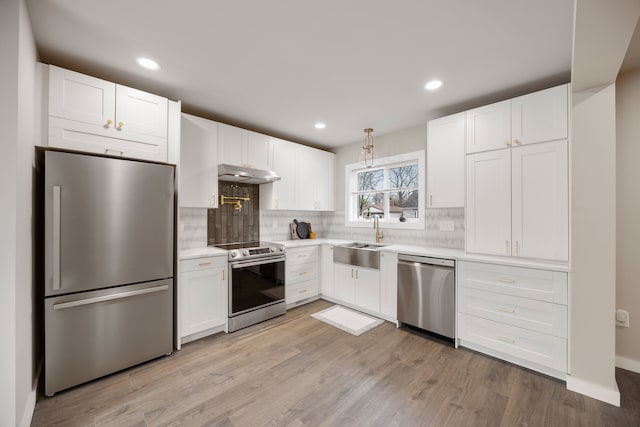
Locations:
(514, 313)
(327, 285)
(358, 286)
(389, 284)
(202, 295)
(301, 273)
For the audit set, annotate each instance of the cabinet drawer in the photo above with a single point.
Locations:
(202, 263)
(301, 272)
(300, 291)
(542, 349)
(539, 316)
(542, 285)
(304, 255)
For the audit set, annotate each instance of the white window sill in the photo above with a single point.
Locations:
(418, 225)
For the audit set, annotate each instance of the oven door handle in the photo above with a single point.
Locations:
(251, 263)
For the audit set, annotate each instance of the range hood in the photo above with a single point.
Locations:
(245, 175)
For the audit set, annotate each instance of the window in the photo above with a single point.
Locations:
(390, 190)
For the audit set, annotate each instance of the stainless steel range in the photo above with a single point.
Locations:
(256, 282)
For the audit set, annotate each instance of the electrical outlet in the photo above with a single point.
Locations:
(446, 226)
(622, 318)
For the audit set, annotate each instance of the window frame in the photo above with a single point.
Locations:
(351, 187)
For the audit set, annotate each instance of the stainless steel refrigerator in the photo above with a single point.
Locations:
(108, 235)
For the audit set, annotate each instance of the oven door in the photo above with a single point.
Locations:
(255, 283)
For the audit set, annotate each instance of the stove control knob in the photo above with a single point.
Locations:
(272, 249)
(281, 248)
(233, 254)
(245, 253)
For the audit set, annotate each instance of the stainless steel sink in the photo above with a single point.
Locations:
(358, 254)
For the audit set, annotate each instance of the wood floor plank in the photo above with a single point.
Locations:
(296, 371)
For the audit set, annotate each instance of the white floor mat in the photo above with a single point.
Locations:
(348, 320)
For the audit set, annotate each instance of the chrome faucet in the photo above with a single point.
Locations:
(376, 225)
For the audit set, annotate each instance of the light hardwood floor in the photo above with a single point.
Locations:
(297, 371)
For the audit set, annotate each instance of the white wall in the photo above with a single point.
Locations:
(9, 12)
(17, 120)
(627, 216)
(404, 141)
(593, 244)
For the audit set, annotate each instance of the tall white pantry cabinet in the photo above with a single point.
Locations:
(517, 181)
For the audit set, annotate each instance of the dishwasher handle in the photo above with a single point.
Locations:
(411, 259)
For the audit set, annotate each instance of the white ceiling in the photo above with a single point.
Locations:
(280, 66)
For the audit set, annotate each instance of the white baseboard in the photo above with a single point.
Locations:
(30, 407)
(596, 391)
(628, 364)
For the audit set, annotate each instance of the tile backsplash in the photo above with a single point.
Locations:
(274, 226)
(229, 225)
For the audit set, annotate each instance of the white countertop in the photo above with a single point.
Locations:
(456, 254)
(200, 252)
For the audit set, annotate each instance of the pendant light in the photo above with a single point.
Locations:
(367, 148)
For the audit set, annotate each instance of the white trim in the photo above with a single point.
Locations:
(30, 406)
(628, 364)
(382, 163)
(605, 394)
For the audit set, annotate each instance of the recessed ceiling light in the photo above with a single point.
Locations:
(147, 63)
(433, 85)
(320, 125)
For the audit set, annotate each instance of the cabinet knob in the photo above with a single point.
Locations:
(109, 123)
(506, 143)
(120, 125)
(516, 141)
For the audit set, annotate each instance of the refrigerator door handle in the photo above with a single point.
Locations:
(87, 301)
(56, 237)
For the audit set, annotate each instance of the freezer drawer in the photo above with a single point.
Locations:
(93, 334)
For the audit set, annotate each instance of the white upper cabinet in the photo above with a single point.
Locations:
(140, 112)
(280, 194)
(241, 147)
(445, 161)
(488, 127)
(308, 178)
(540, 206)
(198, 163)
(93, 115)
(81, 98)
(540, 116)
(488, 210)
(230, 141)
(256, 150)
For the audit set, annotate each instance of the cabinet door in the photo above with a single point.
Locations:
(283, 162)
(344, 283)
(324, 181)
(327, 286)
(306, 178)
(488, 127)
(540, 201)
(445, 161)
(367, 288)
(230, 143)
(256, 150)
(198, 163)
(81, 98)
(389, 284)
(540, 116)
(489, 202)
(203, 300)
(140, 114)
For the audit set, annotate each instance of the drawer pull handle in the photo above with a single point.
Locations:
(222, 271)
(507, 340)
(500, 279)
(302, 291)
(506, 309)
(202, 264)
(302, 273)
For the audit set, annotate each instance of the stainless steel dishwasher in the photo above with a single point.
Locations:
(426, 293)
